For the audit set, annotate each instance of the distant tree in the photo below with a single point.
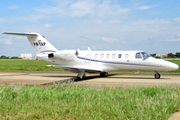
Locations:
(171, 55)
(157, 57)
(4, 57)
(153, 55)
(178, 54)
(15, 57)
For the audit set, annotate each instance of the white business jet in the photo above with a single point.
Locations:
(88, 61)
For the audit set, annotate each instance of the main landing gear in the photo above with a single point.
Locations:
(81, 75)
(103, 74)
(157, 75)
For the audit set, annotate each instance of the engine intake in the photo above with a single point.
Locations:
(51, 55)
(65, 55)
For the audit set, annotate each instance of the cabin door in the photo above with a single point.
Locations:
(88, 58)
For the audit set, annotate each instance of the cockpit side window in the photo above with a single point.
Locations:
(145, 55)
(138, 55)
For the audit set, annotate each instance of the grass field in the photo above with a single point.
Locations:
(40, 66)
(83, 102)
(27, 66)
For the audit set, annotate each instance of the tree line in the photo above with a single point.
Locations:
(5, 57)
(169, 55)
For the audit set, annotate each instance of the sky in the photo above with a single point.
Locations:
(148, 25)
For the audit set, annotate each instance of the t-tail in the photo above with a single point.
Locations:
(39, 43)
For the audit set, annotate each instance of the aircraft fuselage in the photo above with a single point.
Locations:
(109, 60)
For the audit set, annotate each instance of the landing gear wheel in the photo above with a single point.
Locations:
(84, 76)
(157, 75)
(103, 74)
(81, 78)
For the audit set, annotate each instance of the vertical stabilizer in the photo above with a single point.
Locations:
(39, 43)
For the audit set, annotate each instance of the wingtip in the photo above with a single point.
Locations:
(4, 33)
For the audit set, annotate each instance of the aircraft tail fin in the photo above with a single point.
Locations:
(39, 43)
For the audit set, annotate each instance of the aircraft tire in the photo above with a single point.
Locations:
(103, 74)
(79, 78)
(84, 76)
(157, 75)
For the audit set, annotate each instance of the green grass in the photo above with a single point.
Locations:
(83, 102)
(40, 66)
(27, 66)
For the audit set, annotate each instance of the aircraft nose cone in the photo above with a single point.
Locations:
(173, 66)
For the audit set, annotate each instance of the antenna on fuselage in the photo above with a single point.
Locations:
(77, 52)
(89, 48)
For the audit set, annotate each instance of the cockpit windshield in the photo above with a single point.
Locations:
(143, 55)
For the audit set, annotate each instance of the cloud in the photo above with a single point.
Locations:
(145, 7)
(177, 19)
(13, 7)
(82, 8)
(2, 19)
(32, 18)
(113, 22)
(47, 25)
(171, 38)
(178, 35)
(109, 39)
(5, 41)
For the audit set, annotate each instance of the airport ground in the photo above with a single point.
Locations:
(112, 80)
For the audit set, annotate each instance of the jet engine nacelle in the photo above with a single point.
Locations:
(65, 55)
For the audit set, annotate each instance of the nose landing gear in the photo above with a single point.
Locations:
(157, 75)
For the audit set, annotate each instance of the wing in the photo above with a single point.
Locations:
(77, 69)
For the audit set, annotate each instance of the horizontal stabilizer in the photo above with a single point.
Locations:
(21, 34)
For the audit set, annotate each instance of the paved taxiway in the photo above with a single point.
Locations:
(112, 80)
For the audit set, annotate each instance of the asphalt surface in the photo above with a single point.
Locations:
(112, 80)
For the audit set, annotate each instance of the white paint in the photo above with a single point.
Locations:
(87, 61)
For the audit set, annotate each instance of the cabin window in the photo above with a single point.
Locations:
(126, 56)
(96, 55)
(102, 55)
(138, 55)
(119, 56)
(113, 56)
(107, 56)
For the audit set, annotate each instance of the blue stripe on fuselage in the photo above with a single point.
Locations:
(113, 62)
